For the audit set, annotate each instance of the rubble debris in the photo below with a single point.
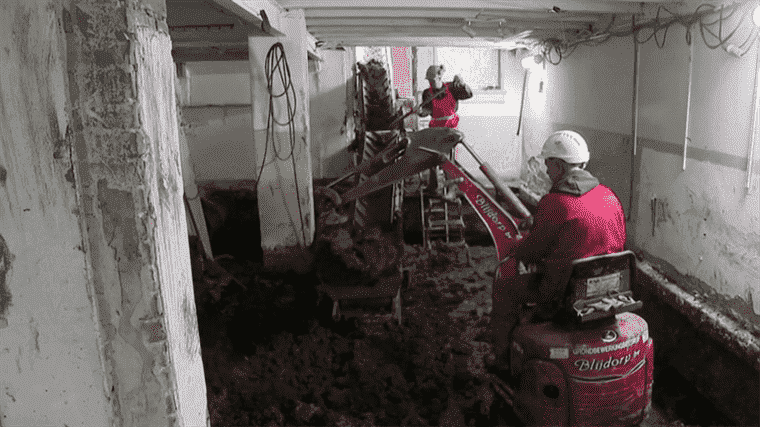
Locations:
(360, 258)
(272, 357)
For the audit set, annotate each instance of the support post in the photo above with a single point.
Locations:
(284, 172)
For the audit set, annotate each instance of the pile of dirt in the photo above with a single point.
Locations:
(346, 257)
(274, 356)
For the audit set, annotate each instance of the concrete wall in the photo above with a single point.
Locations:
(216, 115)
(708, 225)
(220, 142)
(50, 357)
(218, 83)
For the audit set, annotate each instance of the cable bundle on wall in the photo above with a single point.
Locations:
(554, 50)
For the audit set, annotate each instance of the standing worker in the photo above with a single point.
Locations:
(443, 108)
(578, 218)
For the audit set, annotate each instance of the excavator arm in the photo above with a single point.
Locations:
(427, 149)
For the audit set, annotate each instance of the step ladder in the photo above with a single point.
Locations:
(442, 219)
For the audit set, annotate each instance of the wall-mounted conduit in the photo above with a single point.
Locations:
(688, 106)
(635, 124)
(755, 126)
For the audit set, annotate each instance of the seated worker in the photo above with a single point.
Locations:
(578, 218)
(443, 108)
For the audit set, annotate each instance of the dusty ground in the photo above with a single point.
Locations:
(272, 358)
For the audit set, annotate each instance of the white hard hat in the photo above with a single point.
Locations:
(566, 145)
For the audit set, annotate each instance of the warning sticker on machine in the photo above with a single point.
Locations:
(596, 286)
(559, 353)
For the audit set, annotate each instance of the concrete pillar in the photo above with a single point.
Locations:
(285, 189)
(127, 173)
(51, 370)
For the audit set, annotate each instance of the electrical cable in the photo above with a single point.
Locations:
(721, 40)
(555, 50)
(276, 64)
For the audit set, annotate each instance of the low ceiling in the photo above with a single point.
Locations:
(505, 24)
(209, 30)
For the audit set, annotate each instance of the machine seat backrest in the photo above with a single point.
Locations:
(600, 286)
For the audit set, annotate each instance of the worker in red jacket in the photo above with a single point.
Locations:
(443, 106)
(578, 218)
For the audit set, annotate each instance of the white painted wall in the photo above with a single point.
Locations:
(49, 353)
(590, 92)
(710, 225)
(331, 109)
(218, 83)
(221, 142)
(216, 118)
(488, 120)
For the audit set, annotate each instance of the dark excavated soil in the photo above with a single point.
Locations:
(273, 356)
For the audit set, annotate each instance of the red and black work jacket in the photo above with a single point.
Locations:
(443, 108)
(578, 218)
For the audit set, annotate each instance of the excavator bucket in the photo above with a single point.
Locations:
(426, 149)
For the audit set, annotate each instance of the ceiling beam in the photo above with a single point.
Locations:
(477, 5)
(198, 54)
(247, 11)
(442, 22)
(410, 41)
(197, 44)
(439, 30)
(462, 13)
